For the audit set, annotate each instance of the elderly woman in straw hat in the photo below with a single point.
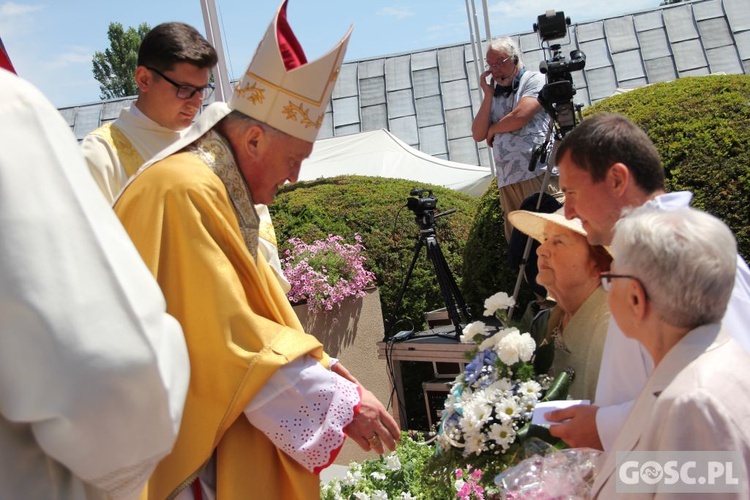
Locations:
(569, 269)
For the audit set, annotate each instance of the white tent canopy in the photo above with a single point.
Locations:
(380, 154)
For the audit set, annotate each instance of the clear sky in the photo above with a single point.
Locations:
(51, 42)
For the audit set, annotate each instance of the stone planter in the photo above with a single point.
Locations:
(351, 334)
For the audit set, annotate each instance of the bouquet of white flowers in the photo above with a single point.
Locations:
(488, 411)
(484, 428)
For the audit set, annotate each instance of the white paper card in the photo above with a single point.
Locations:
(537, 418)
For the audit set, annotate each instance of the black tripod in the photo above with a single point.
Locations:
(555, 134)
(454, 301)
(540, 153)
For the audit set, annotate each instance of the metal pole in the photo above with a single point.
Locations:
(475, 43)
(213, 35)
(476, 47)
(486, 21)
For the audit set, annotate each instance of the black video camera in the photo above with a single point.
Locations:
(557, 95)
(424, 206)
(424, 202)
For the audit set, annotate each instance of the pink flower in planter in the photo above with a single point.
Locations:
(326, 272)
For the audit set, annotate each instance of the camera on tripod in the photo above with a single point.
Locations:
(557, 95)
(424, 205)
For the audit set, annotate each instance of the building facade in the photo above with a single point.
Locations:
(428, 98)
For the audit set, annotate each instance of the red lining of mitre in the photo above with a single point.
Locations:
(291, 50)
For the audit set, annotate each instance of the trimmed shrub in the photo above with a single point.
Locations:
(375, 207)
(486, 270)
(701, 128)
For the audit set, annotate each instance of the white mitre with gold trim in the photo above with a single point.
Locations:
(281, 89)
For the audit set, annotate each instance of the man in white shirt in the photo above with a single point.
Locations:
(608, 164)
(93, 371)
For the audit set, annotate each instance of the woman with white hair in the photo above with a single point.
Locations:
(669, 287)
(569, 268)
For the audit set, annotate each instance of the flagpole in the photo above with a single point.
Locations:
(478, 52)
(213, 35)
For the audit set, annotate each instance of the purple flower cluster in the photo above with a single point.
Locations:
(326, 272)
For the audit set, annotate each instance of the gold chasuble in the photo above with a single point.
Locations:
(237, 322)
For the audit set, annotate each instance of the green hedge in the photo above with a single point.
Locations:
(375, 207)
(486, 269)
(701, 128)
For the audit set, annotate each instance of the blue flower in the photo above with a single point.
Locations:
(477, 367)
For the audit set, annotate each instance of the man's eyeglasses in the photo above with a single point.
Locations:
(186, 91)
(489, 66)
(606, 279)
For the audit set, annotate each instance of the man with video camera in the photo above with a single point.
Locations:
(513, 123)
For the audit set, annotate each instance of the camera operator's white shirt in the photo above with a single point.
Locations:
(626, 365)
(512, 150)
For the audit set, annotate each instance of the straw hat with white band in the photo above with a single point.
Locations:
(532, 223)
